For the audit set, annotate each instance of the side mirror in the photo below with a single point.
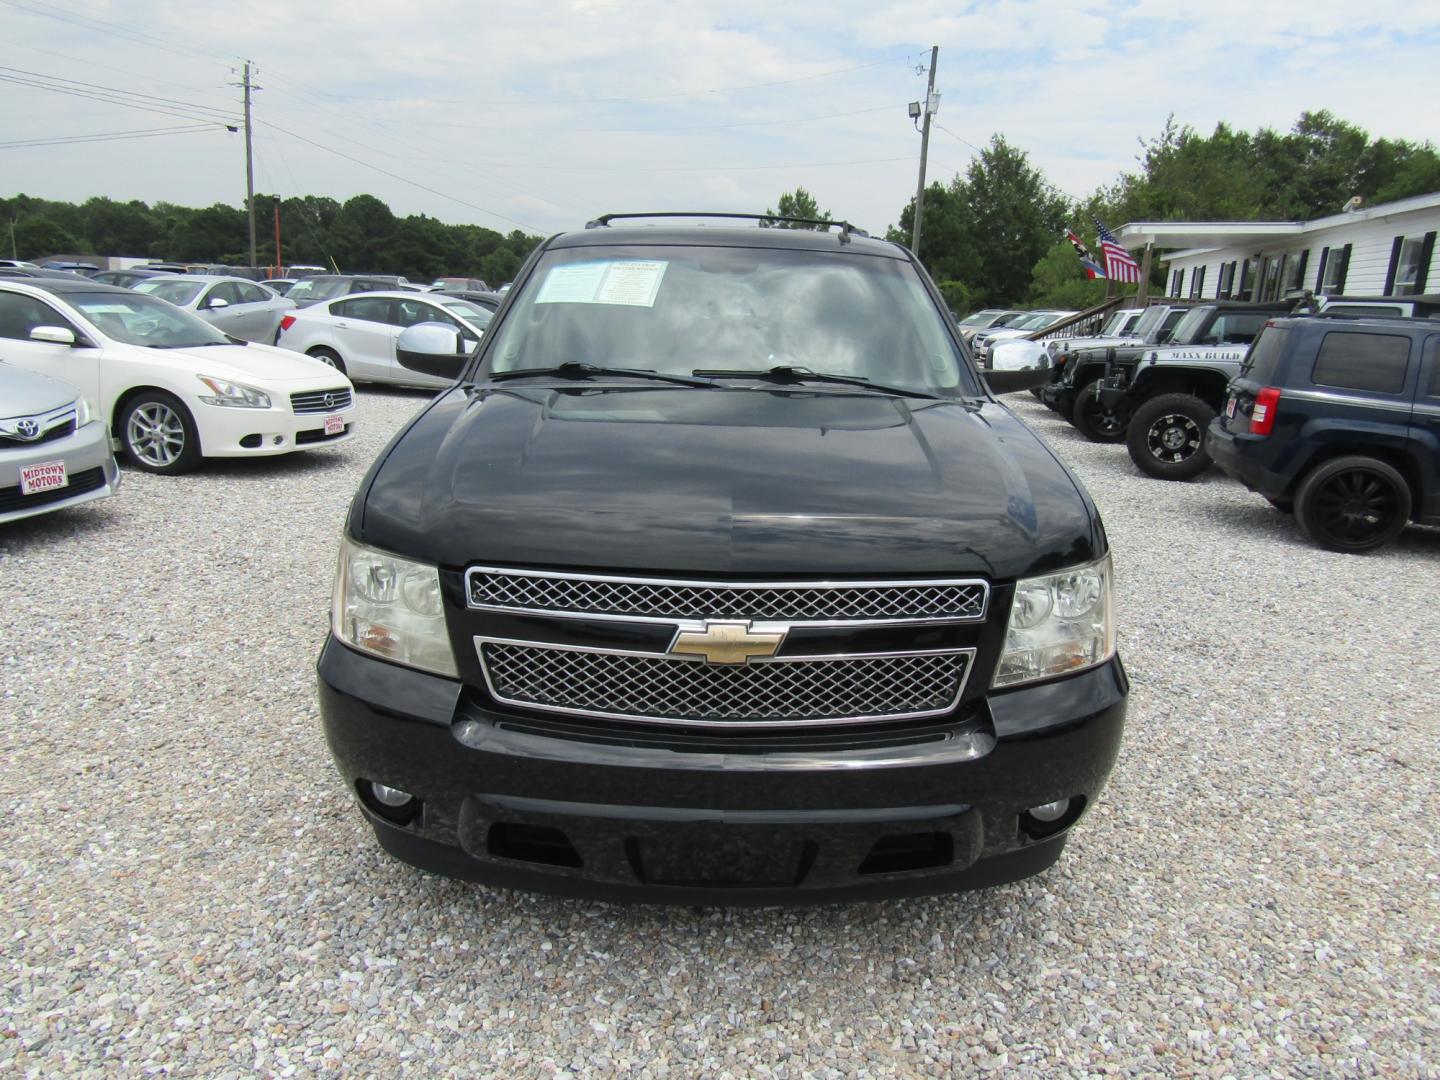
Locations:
(1011, 382)
(432, 348)
(216, 302)
(54, 335)
(1018, 364)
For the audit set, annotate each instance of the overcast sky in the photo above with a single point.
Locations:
(539, 115)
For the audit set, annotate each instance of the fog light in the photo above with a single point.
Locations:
(393, 797)
(1046, 812)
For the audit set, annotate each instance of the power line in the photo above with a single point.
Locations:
(89, 22)
(402, 179)
(413, 152)
(114, 136)
(111, 99)
(653, 130)
(665, 168)
(524, 102)
(116, 90)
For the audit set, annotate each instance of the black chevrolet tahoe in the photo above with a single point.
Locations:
(1338, 420)
(720, 575)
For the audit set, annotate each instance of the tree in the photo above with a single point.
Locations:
(1059, 281)
(1016, 217)
(1310, 171)
(37, 237)
(795, 204)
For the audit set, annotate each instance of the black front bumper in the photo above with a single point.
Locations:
(502, 804)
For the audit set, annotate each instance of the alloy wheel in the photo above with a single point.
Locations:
(155, 434)
(1173, 437)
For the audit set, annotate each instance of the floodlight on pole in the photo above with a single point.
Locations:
(932, 106)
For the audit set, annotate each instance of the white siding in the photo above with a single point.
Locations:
(1371, 242)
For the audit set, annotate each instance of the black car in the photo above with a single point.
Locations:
(1104, 405)
(1338, 420)
(1077, 362)
(719, 575)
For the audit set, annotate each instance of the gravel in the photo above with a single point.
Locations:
(187, 888)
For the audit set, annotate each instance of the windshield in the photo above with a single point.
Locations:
(137, 319)
(676, 309)
(980, 318)
(1149, 319)
(313, 289)
(177, 292)
(471, 313)
(1032, 321)
(1188, 328)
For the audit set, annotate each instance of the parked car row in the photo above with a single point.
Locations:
(126, 370)
(1358, 378)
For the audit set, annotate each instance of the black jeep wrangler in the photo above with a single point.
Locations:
(1220, 331)
(719, 575)
(1338, 419)
(1077, 362)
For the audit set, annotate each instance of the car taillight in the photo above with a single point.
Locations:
(1262, 416)
(287, 321)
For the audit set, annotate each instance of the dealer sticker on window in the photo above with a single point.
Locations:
(46, 476)
(631, 283)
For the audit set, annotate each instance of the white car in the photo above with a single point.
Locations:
(357, 333)
(169, 387)
(241, 308)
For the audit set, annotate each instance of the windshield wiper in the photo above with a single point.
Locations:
(786, 373)
(576, 370)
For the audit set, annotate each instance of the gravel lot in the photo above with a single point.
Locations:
(188, 889)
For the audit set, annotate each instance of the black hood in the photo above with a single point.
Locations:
(732, 481)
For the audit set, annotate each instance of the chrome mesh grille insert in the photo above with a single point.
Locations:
(658, 598)
(313, 401)
(659, 688)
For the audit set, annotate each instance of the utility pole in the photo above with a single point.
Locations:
(929, 110)
(250, 165)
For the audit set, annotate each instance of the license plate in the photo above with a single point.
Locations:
(334, 425)
(46, 476)
(1230, 408)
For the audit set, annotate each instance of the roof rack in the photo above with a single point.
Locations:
(846, 229)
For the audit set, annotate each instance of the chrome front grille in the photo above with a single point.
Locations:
(320, 401)
(666, 599)
(780, 692)
(40, 428)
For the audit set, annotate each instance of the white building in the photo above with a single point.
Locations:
(1382, 250)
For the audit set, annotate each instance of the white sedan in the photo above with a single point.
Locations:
(170, 387)
(357, 333)
(241, 308)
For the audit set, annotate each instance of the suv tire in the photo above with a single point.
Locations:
(1094, 421)
(1352, 504)
(1166, 437)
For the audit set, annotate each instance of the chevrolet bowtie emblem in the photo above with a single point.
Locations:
(726, 643)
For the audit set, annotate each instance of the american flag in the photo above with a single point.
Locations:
(1119, 264)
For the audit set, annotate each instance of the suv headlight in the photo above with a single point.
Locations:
(233, 395)
(1059, 624)
(390, 607)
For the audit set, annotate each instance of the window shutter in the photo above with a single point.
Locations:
(1427, 252)
(1394, 264)
(1320, 273)
(1344, 268)
(1304, 258)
